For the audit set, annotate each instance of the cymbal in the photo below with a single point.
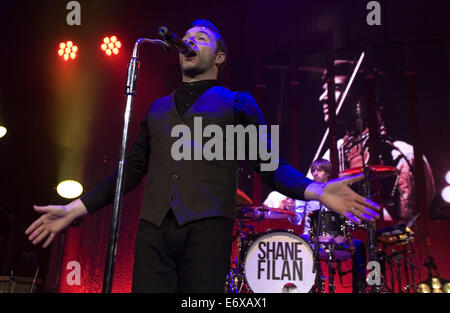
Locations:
(262, 212)
(242, 198)
(377, 171)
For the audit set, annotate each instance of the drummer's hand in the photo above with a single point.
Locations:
(339, 197)
(55, 218)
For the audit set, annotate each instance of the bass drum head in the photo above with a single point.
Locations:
(279, 262)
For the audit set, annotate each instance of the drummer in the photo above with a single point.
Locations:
(321, 170)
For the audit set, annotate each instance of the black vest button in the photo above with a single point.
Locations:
(174, 176)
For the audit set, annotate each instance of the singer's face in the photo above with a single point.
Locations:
(203, 42)
(323, 99)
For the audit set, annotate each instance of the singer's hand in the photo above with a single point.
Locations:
(55, 218)
(339, 197)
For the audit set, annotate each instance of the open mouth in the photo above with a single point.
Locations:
(189, 58)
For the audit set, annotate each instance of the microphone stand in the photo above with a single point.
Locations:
(130, 91)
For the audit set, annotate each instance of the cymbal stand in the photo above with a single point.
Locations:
(235, 278)
(316, 267)
(331, 269)
(370, 226)
(397, 256)
(412, 268)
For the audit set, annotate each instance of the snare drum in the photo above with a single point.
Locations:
(279, 262)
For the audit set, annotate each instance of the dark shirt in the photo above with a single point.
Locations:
(188, 93)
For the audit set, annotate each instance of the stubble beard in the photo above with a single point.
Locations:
(201, 67)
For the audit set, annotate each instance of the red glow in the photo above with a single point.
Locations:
(111, 45)
(67, 50)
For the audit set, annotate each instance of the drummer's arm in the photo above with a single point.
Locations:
(275, 200)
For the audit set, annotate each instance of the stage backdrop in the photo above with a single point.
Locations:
(65, 119)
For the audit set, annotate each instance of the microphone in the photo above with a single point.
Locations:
(173, 40)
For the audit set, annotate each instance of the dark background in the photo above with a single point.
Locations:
(64, 119)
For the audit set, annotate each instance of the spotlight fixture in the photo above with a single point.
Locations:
(434, 285)
(111, 45)
(445, 194)
(67, 50)
(3, 131)
(69, 189)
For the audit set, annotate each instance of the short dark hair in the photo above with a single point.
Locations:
(220, 43)
(322, 164)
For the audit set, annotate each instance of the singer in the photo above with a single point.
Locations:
(184, 238)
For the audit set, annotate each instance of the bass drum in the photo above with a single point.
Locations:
(279, 261)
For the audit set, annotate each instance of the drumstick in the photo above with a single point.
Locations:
(341, 102)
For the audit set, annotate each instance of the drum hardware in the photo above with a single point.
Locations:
(394, 259)
(265, 273)
(395, 235)
(235, 281)
(333, 228)
(342, 274)
(258, 213)
(317, 267)
(279, 261)
(366, 170)
(400, 235)
(332, 243)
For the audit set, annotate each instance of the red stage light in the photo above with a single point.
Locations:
(111, 45)
(67, 50)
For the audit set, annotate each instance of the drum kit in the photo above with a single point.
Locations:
(281, 261)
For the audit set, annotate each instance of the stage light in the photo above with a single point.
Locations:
(447, 177)
(3, 131)
(434, 285)
(69, 189)
(445, 194)
(111, 45)
(67, 50)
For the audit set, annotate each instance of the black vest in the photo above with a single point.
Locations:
(193, 189)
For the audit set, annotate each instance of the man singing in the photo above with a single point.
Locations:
(184, 237)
